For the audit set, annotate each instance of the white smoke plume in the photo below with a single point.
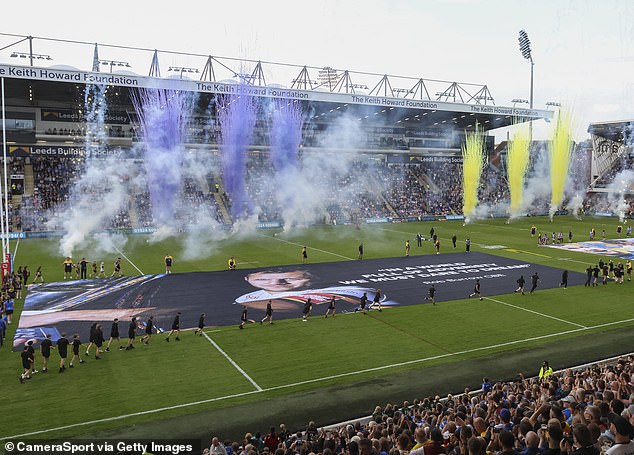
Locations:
(96, 199)
(623, 182)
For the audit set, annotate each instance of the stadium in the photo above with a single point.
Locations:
(126, 194)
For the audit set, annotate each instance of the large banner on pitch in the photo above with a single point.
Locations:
(73, 305)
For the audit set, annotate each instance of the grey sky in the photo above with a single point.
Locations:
(583, 50)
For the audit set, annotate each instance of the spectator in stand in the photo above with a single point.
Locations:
(217, 448)
(622, 430)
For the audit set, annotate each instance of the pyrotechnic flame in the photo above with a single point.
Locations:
(472, 164)
(560, 151)
(517, 160)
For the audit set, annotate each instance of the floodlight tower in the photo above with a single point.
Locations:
(525, 49)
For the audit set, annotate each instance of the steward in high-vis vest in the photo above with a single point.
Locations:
(545, 371)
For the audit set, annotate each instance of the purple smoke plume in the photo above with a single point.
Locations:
(236, 117)
(163, 117)
(286, 134)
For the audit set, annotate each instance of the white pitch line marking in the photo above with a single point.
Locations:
(128, 259)
(326, 378)
(536, 312)
(15, 252)
(313, 248)
(573, 260)
(237, 367)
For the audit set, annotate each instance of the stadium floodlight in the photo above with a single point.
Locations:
(32, 56)
(182, 69)
(519, 101)
(525, 45)
(114, 63)
(525, 49)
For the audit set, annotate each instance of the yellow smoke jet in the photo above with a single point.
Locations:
(472, 164)
(517, 160)
(560, 151)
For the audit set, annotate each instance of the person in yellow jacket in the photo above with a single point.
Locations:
(545, 371)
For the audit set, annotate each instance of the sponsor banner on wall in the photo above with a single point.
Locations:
(376, 220)
(435, 158)
(79, 116)
(64, 150)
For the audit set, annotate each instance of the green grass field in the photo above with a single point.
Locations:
(229, 381)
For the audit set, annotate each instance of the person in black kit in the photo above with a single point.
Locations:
(476, 290)
(149, 325)
(520, 284)
(331, 307)
(454, 239)
(588, 276)
(564, 279)
(595, 276)
(419, 239)
(98, 341)
(363, 302)
(45, 349)
(360, 250)
(29, 345)
(431, 294)
(534, 281)
(201, 325)
(83, 266)
(176, 327)
(62, 348)
(117, 268)
(25, 275)
(131, 334)
(269, 314)
(243, 317)
(306, 311)
(114, 334)
(27, 364)
(76, 348)
(431, 233)
(468, 244)
(377, 298)
(91, 337)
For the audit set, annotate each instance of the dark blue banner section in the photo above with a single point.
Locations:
(72, 306)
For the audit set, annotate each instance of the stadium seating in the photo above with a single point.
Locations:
(364, 189)
(587, 408)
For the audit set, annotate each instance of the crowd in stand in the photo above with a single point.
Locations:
(585, 411)
(360, 190)
(111, 131)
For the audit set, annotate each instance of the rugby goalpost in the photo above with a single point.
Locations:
(4, 203)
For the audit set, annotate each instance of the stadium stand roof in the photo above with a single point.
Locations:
(618, 131)
(39, 78)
